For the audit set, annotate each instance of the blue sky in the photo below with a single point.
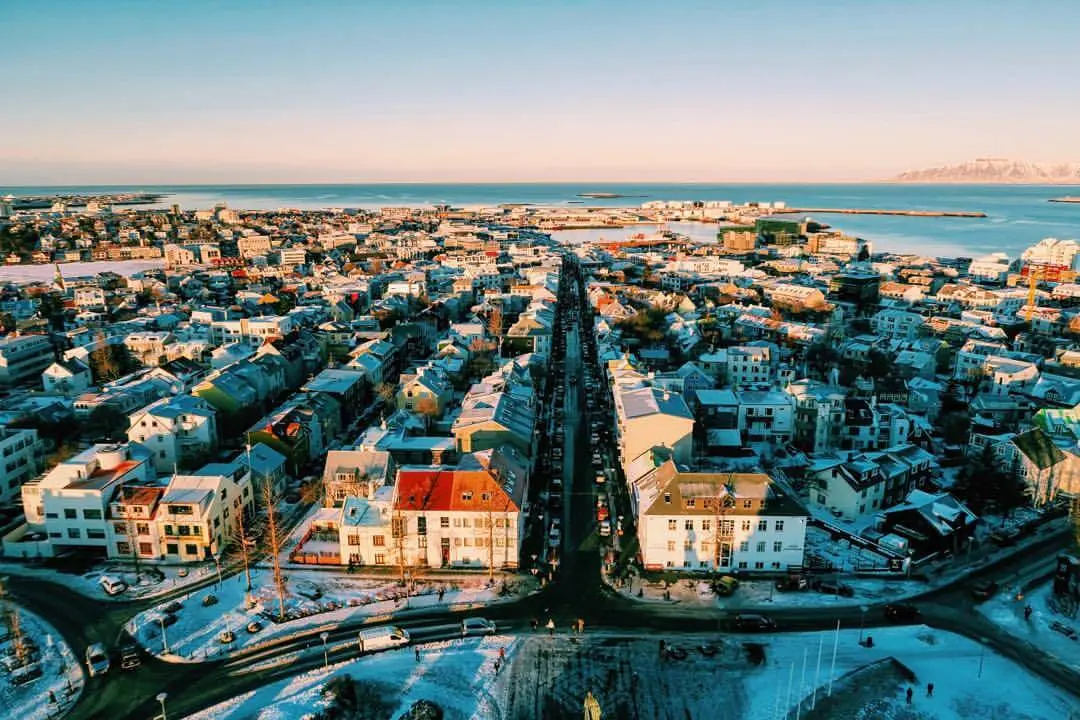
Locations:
(270, 91)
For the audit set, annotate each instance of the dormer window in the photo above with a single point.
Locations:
(690, 502)
(667, 498)
(467, 495)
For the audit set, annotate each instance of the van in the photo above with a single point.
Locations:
(382, 638)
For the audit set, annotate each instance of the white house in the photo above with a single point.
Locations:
(174, 429)
(67, 377)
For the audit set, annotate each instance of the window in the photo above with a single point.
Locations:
(748, 504)
(354, 540)
(398, 527)
(196, 530)
(688, 545)
(191, 549)
(667, 498)
(468, 542)
(378, 540)
(123, 548)
(421, 525)
(727, 527)
(746, 525)
(142, 529)
(467, 495)
(69, 513)
(466, 522)
(779, 526)
(444, 522)
(485, 496)
(778, 547)
(776, 566)
(706, 546)
(421, 542)
(703, 564)
(686, 563)
(690, 502)
(48, 515)
(761, 546)
(172, 548)
(742, 565)
(178, 509)
(91, 514)
(763, 526)
(706, 525)
(184, 530)
(457, 522)
(670, 564)
(146, 548)
(759, 565)
(671, 545)
(95, 534)
(120, 528)
(688, 525)
(744, 546)
(74, 533)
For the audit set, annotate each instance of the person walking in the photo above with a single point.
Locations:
(930, 690)
(502, 655)
(550, 626)
(1027, 613)
(910, 692)
(534, 623)
(417, 654)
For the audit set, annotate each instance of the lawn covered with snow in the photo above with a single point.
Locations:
(1049, 626)
(549, 676)
(195, 632)
(52, 666)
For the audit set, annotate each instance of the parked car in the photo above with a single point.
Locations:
(1060, 627)
(97, 660)
(168, 619)
(901, 612)
(754, 623)
(726, 586)
(600, 479)
(605, 528)
(173, 607)
(602, 513)
(112, 585)
(836, 588)
(307, 590)
(129, 657)
(792, 582)
(477, 626)
(1004, 538)
(983, 591)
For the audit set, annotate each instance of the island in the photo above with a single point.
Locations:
(607, 195)
(1066, 199)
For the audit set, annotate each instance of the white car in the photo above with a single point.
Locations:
(605, 528)
(477, 626)
(112, 585)
(97, 660)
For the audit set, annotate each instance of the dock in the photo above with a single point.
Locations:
(871, 211)
(1066, 199)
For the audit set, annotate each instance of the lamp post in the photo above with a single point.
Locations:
(408, 580)
(325, 652)
(862, 621)
(217, 564)
(161, 699)
(164, 637)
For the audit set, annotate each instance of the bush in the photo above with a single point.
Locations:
(423, 710)
(353, 700)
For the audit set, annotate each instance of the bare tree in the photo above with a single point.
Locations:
(495, 323)
(13, 623)
(242, 542)
(428, 407)
(386, 393)
(274, 540)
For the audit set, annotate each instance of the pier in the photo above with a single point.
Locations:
(870, 211)
(1066, 199)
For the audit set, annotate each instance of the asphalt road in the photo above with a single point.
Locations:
(577, 592)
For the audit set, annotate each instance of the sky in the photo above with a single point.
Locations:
(198, 91)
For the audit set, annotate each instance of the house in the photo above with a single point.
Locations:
(70, 503)
(931, 523)
(301, 428)
(267, 466)
(355, 473)
(765, 416)
(198, 514)
(175, 430)
(497, 411)
(67, 377)
(1044, 467)
(22, 460)
(349, 387)
(819, 415)
(715, 522)
(647, 417)
(133, 534)
(427, 391)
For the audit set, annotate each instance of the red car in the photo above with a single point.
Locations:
(602, 513)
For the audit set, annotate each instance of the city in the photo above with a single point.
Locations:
(535, 361)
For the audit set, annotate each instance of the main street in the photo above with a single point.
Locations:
(578, 592)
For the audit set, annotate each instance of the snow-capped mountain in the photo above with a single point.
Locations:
(996, 170)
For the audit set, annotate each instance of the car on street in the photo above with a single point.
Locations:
(836, 588)
(983, 591)
(753, 623)
(112, 585)
(97, 660)
(477, 626)
(602, 513)
(600, 479)
(129, 657)
(601, 499)
(605, 528)
(726, 586)
(308, 590)
(901, 612)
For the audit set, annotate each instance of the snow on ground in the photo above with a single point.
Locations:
(44, 273)
(195, 634)
(61, 673)
(456, 674)
(759, 593)
(549, 676)
(1007, 612)
(151, 581)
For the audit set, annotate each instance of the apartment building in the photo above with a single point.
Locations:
(23, 357)
(20, 460)
(175, 430)
(198, 513)
(709, 522)
(252, 331)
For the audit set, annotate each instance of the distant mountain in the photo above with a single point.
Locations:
(996, 170)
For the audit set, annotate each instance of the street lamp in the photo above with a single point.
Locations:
(217, 563)
(164, 637)
(161, 699)
(862, 621)
(326, 653)
(408, 579)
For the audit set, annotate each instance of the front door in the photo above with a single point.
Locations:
(445, 546)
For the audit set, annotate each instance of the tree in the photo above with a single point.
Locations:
(273, 541)
(108, 422)
(387, 394)
(955, 427)
(428, 407)
(110, 362)
(495, 323)
(984, 486)
(864, 253)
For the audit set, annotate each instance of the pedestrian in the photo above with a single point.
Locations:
(909, 694)
(550, 626)
(1027, 613)
(502, 656)
(417, 654)
(663, 647)
(442, 591)
(581, 625)
(52, 698)
(930, 690)
(534, 622)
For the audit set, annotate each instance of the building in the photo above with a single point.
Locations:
(198, 514)
(70, 503)
(647, 417)
(23, 358)
(716, 522)
(1053, 252)
(175, 430)
(855, 285)
(932, 523)
(21, 458)
(67, 377)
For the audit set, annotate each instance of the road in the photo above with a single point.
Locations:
(577, 593)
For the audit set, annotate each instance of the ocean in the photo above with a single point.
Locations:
(1018, 215)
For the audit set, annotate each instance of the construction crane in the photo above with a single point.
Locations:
(1035, 274)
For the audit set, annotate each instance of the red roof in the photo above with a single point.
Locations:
(448, 490)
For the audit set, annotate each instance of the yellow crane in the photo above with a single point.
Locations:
(1035, 274)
